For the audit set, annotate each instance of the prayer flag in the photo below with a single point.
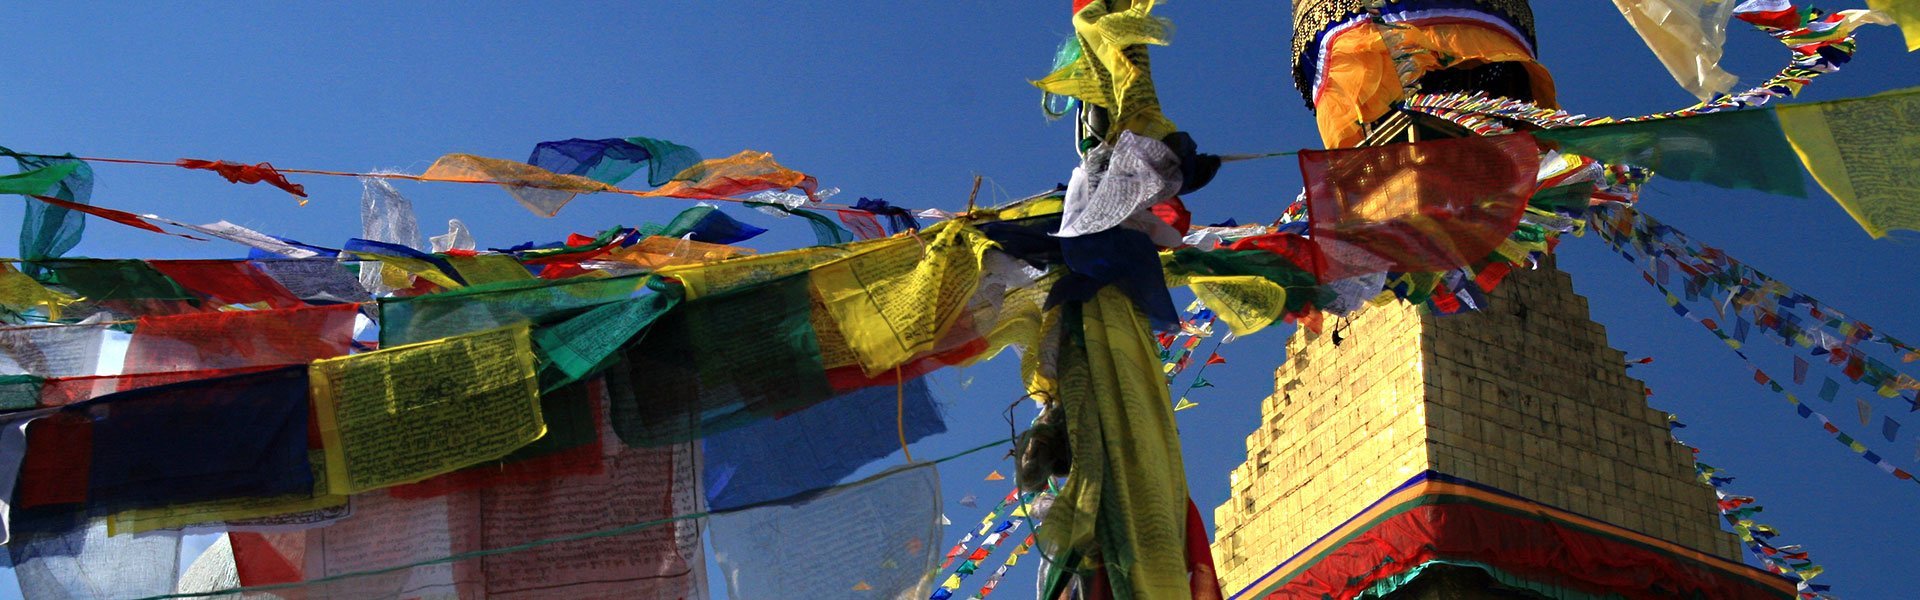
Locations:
(1861, 152)
(1201, 382)
(1906, 14)
(1829, 389)
(778, 552)
(1889, 428)
(612, 160)
(1429, 206)
(227, 282)
(726, 178)
(895, 300)
(1739, 149)
(996, 476)
(539, 190)
(1687, 36)
(241, 173)
(1184, 404)
(1866, 411)
(791, 458)
(49, 231)
(406, 413)
(1215, 359)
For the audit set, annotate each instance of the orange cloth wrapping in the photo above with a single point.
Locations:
(1359, 81)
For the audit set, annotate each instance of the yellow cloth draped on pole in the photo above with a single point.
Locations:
(1864, 153)
(1687, 36)
(1906, 14)
(896, 300)
(406, 413)
(1113, 72)
(285, 510)
(18, 292)
(1125, 503)
(1361, 80)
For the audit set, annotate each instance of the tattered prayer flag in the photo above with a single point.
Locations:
(406, 413)
(743, 173)
(46, 230)
(1741, 149)
(862, 224)
(537, 189)
(18, 293)
(1862, 153)
(1687, 36)
(996, 476)
(1429, 206)
(228, 282)
(239, 173)
(612, 160)
(1904, 13)
(1889, 428)
(1866, 411)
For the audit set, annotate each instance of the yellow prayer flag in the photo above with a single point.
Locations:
(1246, 303)
(18, 292)
(395, 269)
(1906, 14)
(1864, 153)
(1687, 36)
(896, 300)
(488, 268)
(406, 413)
(1184, 404)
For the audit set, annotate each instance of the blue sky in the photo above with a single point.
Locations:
(908, 101)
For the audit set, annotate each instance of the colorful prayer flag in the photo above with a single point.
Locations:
(1216, 359)
(1741, 149)
(1184, 404)
(996, 476)
(1860, 152)
(1904, 13)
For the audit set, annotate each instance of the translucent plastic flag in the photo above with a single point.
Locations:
(456, 238)
(1687, 36)
(385, 216)
(235, 339)
(540, 190)
(1741, 149)
(406, 413)
(1863, 152)
(788, 458)
(743, 173)
(1430, 206)
(781, 552)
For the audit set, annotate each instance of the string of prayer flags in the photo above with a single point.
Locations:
(1789, 561)
(406, 413)
(613, 160)
(248, 174)
(406, 261)
(825, 231)
(993, 581)
(776, 552)
(1687, 36)
(899, 219)
(117, 216)
(48, 230)
(1431, 206)
(1859, 151)
(782, 460)
(1903, 13)
(539, 190)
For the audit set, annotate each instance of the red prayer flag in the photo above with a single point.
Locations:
(1422, 207)
(118, 216)
(239, 173)
(1215, 359)
(227, 282)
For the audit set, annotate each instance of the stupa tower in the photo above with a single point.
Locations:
(1496, 454)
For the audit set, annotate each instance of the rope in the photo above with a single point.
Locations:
(622, 530)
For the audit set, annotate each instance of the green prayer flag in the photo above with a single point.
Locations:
(115, 280)
(48, 231)
(1201, 382)
(20, 392)
(580, 345)
(1741, 149)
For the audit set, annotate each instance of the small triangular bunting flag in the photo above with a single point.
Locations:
(1215, 359)
(1201, 382)
(862, 587)
(996, 476)
(1184, 404)
(943, 520)
(970, 501)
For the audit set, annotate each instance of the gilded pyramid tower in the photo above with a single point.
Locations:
(1496, 454)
